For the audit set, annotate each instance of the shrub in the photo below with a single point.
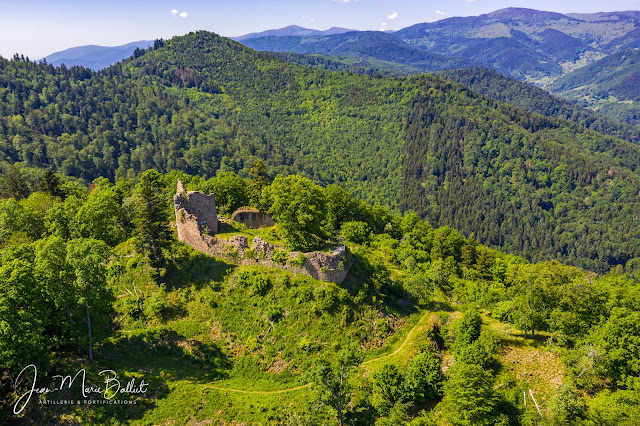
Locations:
(356, 232)
(423, 377)
(250, 254)
(255, 282)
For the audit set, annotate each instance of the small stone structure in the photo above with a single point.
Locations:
(253, 218)
(197, 221)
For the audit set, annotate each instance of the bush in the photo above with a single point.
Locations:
(250, 254)
(356, 232)
(254, 281)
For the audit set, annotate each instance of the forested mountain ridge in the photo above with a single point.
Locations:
(370, 46)
(203, 104)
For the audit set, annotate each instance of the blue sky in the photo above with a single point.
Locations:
(37, 28)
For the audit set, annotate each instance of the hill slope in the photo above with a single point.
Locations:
(534, 99)
(202, 103)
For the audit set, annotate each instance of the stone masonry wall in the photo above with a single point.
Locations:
(253, 218)
(196, 215)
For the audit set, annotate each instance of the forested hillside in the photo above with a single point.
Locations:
(201, 103)
(610, 85)
(534, 99)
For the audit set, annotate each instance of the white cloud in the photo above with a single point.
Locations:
(441, 13)
(175, 12)
(341, 1)
(393, 16)
(383, 26)
(470, 1)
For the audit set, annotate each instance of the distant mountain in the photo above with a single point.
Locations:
(375, 48)
(292, 30)
(95, 57)
(528, 44)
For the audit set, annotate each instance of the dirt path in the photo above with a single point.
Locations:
(400, 348)
(220, 388)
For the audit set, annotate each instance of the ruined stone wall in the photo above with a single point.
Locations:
(253, 218)
(196, 215)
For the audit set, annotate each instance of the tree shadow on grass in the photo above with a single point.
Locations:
(159, 357)
(190, 267)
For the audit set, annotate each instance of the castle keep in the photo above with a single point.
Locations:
(197, 222)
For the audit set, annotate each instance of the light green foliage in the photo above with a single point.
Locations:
(332, 384)
(387, 387)
(619, 337)
(298, 206)
(61, 218)
(229, 189)
(298, 260)
(23, 315)
(255, 282)
(341, 207)
(423, 377)
(398, 415)
(25, 216)
(280, 257)
(99, 216)
(620, 408)
(467, 328)
(566, 405)
(356, 232)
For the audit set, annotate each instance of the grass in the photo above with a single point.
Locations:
(527, 364)
(233, 343)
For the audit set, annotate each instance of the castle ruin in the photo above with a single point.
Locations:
(197, 222)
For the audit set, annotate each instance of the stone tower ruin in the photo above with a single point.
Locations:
(196, 215)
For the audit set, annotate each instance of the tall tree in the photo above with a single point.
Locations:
(469, 398)
(51, 184)
(88, 259)
(151, 221)
(298, 206)
(332, 381)
(258, 180)
(12, 183)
